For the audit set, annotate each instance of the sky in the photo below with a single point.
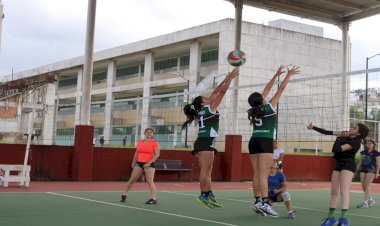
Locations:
(41, 32)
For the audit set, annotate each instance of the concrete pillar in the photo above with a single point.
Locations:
(194, 77)
(88, 64)
(78, 97)
(19, 112)
(195, 65)
(1, 20)
(83, 153)
(233, 157)
(48, 123)
(148, 75)
(111, 77)
(346, 65)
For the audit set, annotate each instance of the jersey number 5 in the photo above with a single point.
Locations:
(259, 122)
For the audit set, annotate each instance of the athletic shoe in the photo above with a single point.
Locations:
(205, 201)
(268, 210)
(371, 201)
(123, 198)
(364, 204)
(213, 201)
(292, 214)
(256, 208)
(330, 221)
(344, 222)
(151, 201)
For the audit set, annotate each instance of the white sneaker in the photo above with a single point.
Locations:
(267, 209)
(364, 204)
(371, 201)
(292, 214)
(256, 207)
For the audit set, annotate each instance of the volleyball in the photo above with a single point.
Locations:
(236, 58)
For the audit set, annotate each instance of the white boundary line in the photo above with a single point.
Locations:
(142, 209)
(303, 208)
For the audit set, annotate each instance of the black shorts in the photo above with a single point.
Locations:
(345, 164)
(273, 198)
(141, 164)
(260, 145)
(203, 144)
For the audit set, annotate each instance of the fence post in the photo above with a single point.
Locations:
(233, 157)
(83, 153)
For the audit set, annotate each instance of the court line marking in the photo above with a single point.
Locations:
(304, 208)
(137, 208)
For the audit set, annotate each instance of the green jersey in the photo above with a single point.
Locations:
(208, 122)
(265, 126)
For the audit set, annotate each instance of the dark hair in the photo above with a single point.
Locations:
(148, 129)
(255, 100)
(191, 110)
(363, 130)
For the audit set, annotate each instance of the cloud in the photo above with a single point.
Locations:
(39, 32)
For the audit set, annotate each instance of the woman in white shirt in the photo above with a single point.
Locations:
(278, 156)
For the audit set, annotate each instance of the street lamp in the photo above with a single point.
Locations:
(188, 96)
(366, 85)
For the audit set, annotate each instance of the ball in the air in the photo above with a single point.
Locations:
(236, 58)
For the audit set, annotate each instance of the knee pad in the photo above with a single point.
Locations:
(285, 196)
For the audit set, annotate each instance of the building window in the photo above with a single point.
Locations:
(209, 56)
(165, 64)
(67, 131)
(97, 107)
(99, 77)
(66, 110)
(69, 82)
(184, 61)
(127, 72)
(124, 106)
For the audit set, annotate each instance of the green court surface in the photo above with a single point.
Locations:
(173, 208)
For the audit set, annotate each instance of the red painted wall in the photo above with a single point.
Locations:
(48, 162)
(55, 163)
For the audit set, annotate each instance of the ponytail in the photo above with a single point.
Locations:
(191, 111)
(254, 112)
(255, 100)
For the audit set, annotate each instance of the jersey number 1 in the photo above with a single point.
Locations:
(201, 121)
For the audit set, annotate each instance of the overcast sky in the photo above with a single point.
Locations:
(40, 32)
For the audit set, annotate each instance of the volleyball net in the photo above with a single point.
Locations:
(333, 102)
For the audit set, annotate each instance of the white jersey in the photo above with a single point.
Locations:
(276, 153)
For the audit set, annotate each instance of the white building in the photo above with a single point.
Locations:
(163, 67)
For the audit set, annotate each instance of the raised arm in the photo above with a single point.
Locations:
(269, 86)
(219, 92)
(281, 89)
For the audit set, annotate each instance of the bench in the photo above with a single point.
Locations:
(7, 175)
(170, 165)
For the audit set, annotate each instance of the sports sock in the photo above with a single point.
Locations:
(331, 212)
(344, 213)
(204, 194)
(257, 199)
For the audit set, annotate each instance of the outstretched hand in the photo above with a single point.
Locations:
(310, 125)
(294, 71)
(232, 74)
(280, 70)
